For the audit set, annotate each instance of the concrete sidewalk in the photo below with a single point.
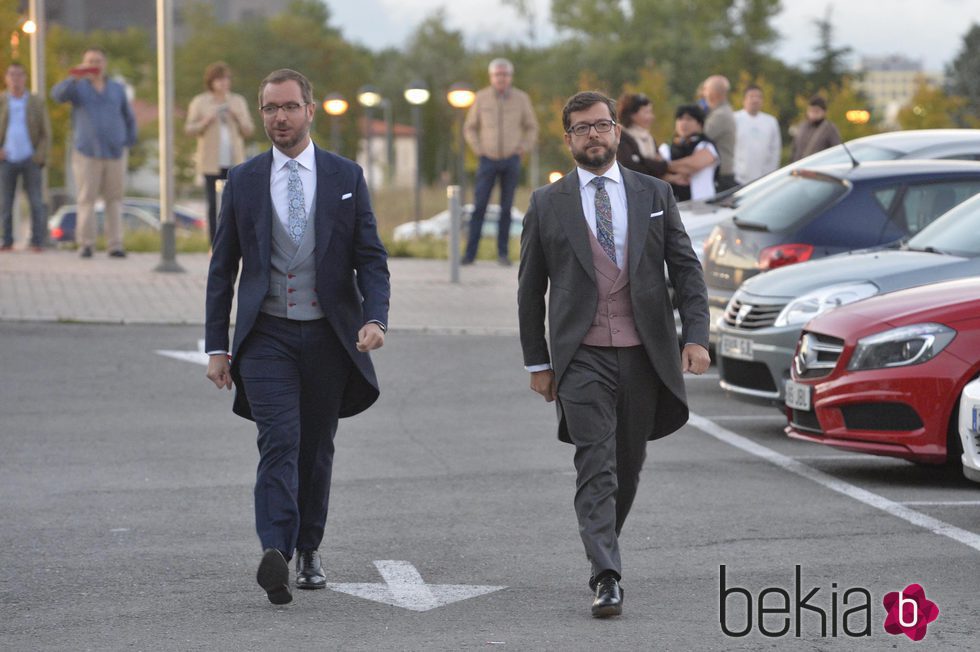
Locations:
(59, 286)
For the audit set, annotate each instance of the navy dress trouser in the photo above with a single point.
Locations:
(294, 374)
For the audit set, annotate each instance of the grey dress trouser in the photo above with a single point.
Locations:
(609, 400)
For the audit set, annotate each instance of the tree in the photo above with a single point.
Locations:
(964, 72)
(930, 108)
(829, 67)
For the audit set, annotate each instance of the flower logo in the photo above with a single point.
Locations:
(909, 612)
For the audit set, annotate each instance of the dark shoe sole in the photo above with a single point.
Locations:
(273, 577)
(607, 611)
(307, 586)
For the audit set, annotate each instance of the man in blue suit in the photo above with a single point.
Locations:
(312, 302)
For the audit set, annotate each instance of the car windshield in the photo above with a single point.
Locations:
(834, 155)
(956, 231)
(789, 200)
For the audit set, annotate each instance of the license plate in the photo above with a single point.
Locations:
(736, 347)
(976, 418)
(797, 396)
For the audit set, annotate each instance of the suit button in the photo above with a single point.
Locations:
(290, 276)
(291, 305)
(612, 316)
(615, 331)
(291, 290)
(313, 304)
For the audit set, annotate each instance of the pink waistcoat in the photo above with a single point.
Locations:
(613, 324)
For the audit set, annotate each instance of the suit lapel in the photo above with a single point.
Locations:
(327, 199)
(568, 206)
(260, 179)
(638, 204)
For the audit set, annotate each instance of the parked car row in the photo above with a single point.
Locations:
(138, 214)
(849, 297)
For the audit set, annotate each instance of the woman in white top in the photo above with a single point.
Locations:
(693, 158)
(221, 121)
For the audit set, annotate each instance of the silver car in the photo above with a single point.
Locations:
(701, 216)
(762, 323)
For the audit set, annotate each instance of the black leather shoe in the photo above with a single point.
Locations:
(309, 571)
(117, 253)
(86, 252)
(273, 576)
(608, 597)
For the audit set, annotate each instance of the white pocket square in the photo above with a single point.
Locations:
(348, 195)
(657, 214)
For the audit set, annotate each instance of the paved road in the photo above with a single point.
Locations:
(127, 519)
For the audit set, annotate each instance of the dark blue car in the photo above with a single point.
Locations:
(816, 212)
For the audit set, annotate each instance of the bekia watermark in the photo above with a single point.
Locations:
(804, 609)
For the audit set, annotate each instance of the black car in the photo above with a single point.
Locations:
(817, 212)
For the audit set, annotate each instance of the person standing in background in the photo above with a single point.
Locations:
(637, 148)
(816, 133)
(104, 129)
(25, 133)
(757, 140)
(719, 128)
(500, 128)
(221, 121)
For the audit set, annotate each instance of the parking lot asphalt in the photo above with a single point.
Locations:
(128, 518)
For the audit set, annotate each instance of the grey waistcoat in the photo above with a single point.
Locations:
(292, 279)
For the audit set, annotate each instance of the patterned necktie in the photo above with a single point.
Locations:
(603, 218)
(297, 203)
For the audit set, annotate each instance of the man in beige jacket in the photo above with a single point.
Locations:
(500, 128)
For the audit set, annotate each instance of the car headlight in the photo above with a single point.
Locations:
(902, 346)
(803, 309)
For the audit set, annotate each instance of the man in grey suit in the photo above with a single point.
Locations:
(597, 241)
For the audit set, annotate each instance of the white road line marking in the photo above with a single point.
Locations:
(943, 503)
(862, 457)
(749, 417)
(701, 377)
(197, 357)
(404, 587)
(891, 507)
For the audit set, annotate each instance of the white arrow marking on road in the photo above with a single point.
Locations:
(404, 587)
(197, 357)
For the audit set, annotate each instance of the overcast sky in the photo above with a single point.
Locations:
(929, 30)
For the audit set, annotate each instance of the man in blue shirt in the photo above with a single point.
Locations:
(24, 136)
(104, 128)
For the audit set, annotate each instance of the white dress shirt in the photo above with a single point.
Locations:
(278, 184)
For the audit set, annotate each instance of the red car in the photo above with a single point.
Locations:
(884, 375)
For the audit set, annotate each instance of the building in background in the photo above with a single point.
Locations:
(399, 170)
(889, 83)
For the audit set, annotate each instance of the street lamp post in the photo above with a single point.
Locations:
(461, 96)
(335, 106)
(417, 94)
(368, 97)
(38, 37)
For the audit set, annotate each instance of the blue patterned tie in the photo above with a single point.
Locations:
(297, 203)
(603, 218)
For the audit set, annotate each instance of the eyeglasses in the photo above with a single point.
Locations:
(291, 108)
(600, 126)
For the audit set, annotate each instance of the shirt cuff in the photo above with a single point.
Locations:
(384, 328)
(217, 352)
(537, 367)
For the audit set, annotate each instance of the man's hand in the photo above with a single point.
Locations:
(695, 359)
(543, 382)
(370, 337)
(219, 370)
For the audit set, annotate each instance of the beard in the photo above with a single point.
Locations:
(595, 161)
(289, 139)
